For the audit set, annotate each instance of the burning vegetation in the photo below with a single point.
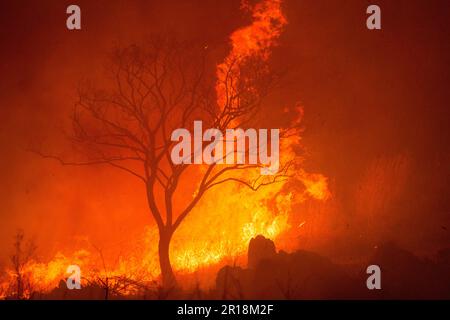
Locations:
(204, 215)
(350, 172)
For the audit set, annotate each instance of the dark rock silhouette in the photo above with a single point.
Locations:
(271, 275)
(308, 275)
(406, 276)
(260, 248)
(233, 282)
(301, 275)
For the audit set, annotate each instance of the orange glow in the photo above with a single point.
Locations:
(220, 227)
(254, 40)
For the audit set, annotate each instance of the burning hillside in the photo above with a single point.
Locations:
(221, 223)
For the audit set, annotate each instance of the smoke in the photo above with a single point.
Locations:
(376, 120)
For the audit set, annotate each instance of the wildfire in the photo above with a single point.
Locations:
(255, 40)
(221, 226)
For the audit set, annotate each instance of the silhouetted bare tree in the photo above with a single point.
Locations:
(153, 89)
(23, 253)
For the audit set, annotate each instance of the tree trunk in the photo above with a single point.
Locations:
(168, 278)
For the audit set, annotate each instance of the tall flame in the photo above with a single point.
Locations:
(255, 40)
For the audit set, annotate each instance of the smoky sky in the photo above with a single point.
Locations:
(367, 95)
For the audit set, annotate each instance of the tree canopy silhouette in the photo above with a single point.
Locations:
(151, 90)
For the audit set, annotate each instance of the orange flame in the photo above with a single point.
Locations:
(219, 227)
(254, 40)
